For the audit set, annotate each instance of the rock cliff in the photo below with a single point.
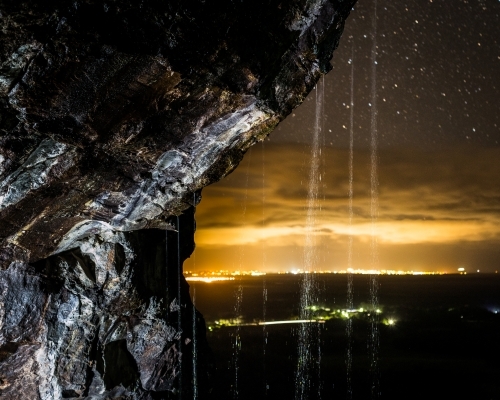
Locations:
(113, 116)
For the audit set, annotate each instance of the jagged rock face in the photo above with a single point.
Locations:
(117, 112)
(113, 116)
(102, 320)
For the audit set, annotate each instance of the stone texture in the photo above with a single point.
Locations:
(118, 112)
(113, 116)
(102, 319)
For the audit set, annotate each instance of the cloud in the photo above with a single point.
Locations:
(426, 198)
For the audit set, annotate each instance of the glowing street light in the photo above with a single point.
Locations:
(389, 322)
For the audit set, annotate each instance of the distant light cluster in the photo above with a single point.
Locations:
(209, 279)
(217, 276)
(224, 275)
(320, 314)
(373, 272)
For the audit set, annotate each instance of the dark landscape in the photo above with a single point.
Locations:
(444, 342)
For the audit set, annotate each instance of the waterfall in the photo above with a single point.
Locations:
(195, 349)
(374, 339)
(237, 340)
(350, 299)
(318, 362)
(308, 292)
(194, 326)
(264, 288)
(179, 311)
(264, 336)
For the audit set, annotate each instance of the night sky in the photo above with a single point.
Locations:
(437, 74)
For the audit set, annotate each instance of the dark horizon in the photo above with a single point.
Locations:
(438, 331)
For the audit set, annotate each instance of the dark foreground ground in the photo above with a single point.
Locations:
(445, 343)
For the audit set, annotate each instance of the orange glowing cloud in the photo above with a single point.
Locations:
(432, 200)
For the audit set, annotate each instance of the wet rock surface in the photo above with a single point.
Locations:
(103, 320)
(117, 112)
(113, 116)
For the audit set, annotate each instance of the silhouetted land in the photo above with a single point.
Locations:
(445, 343)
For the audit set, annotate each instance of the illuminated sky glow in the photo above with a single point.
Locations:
(439, 162)
(423, 215)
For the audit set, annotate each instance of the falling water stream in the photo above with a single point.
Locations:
(195, 350)
(350, 288)
(237, 340)
(264, 336)
(374, 339)
(309, 345)
(319, 386)
(179, 310)
(307, 358)
(264, 287)
(194, 325)
(238, 304)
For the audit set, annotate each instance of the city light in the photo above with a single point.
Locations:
(293, 321)
(209, 279)
(209, 273)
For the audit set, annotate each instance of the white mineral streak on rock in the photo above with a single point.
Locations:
(16, 64)
(70, 313)
(153, 334)
(35, 171)
(67, 314)
(175, 173)
(32, 370)
(98, 249)
(302, 22)
(2, 167)
(83, 230)
(176, 169)
(48, 385)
